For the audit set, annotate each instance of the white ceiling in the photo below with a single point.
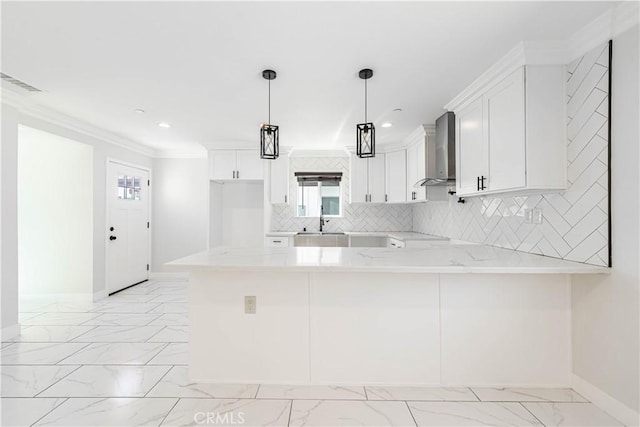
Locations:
(197, 65)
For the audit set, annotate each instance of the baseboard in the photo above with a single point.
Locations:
(10, 332)
(97, 296)
(173, 275)
(80, 296)
(612, 406)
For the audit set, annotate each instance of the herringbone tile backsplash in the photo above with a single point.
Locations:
(356, 217)
(575, 223)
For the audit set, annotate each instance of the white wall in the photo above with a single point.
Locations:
(11, 117)
(179, 223)
(237, 214)
(55, 214)
(605, 308)
(101, 151)
(9, 171)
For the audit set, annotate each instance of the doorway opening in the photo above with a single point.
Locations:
(55, 217)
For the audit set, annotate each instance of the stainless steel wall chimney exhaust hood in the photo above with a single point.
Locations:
(445, 154)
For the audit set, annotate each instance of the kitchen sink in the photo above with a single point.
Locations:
(318, 233)
(320, 239)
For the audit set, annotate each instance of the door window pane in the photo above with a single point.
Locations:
(129, 187)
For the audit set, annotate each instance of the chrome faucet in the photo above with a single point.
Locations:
(322, 220)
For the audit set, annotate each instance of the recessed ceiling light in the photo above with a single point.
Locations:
(139, 110)
(164, 125)
(387, 125)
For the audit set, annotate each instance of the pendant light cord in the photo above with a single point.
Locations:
(269, 121)
(365, 100)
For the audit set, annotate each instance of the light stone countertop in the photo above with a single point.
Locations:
(400, 235)
(437, 257)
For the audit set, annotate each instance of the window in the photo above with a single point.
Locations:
(129, 187)
(319, 192)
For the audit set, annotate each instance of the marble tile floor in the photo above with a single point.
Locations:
(122, 362)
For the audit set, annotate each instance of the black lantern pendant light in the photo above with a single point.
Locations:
(365, 132)
(269, 135)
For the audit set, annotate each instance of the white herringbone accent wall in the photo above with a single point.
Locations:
(356, 217)
(575, 224)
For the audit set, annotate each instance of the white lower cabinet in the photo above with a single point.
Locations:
(511, 136)
(279, 241)
(395, 243)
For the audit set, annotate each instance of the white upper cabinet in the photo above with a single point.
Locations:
(368, 179)
(377, 178)
(470, 148)
(505, 128)
(396, 173)
(279, 180)
(510, 135)
(249, 165)
(359, 191)
(235, 165)
(416, 169)
(222, 164)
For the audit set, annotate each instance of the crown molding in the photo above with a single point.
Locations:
(610, 24)
(508, 63)
(27, 105)
(196, 153)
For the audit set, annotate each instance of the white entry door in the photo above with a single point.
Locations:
(127, 226)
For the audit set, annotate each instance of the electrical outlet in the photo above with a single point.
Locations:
(528, 216)
(250, 305)
(536, 216)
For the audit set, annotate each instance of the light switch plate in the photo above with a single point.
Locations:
(250, 305)
(536, 216)
(528, 216)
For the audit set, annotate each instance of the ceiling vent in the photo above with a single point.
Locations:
(19, 83)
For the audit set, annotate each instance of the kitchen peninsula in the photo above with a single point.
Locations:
(437, 315)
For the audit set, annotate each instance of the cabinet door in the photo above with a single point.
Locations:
(222, 164)
(396, 172)
(280, 180)
(421, 170)
(359, 185)
(249, 165)
(505, 120)
(376, 172)
(412, 170)
(471, 148)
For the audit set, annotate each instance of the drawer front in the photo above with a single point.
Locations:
(276, 241)
(395, 243)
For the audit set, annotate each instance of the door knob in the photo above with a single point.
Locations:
(112, 237)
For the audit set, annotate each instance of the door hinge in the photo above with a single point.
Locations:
(148, 182)
(147, 267)
(147, 224)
